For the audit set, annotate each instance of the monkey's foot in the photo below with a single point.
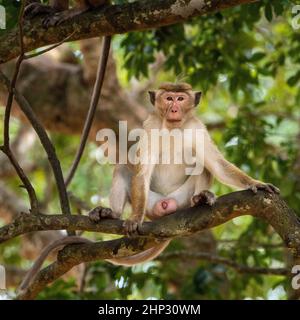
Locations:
(100, 213)
(264, 186)
(131, 227)
(204, 197)
(162, 208)
(35, 9)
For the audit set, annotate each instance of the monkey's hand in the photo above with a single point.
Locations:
(36, 8)
(100, 213)
(204, 197)
(264, 186)
(132, 226)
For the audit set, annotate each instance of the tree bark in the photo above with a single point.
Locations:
(59, 92)
(268, 207)
(115, 19)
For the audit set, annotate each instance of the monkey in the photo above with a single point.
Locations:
(158, 190)
(58, 10)
(30, 276)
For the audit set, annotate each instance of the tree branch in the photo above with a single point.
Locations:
(106, 42)
(115, 19)
(6, 138)
(46, 143)
(270, 208)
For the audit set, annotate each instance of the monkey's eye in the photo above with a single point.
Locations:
(169, 98)
(180, 98)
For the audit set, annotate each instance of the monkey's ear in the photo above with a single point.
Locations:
(152, 95)
(198, 95)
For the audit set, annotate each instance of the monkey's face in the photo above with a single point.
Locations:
(174, 107)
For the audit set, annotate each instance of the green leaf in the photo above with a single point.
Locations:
(292, 81)
(268, 12)
(257, 56)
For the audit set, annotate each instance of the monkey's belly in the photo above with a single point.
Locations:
(172, 175)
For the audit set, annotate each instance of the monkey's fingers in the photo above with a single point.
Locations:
(204, 197)
(100, 213)
(35, 9)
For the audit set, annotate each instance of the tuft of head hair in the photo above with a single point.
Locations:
(175, 87)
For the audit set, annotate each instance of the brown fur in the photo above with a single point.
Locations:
(147, 185)
(175, 87)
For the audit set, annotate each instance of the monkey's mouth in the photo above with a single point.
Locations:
(174, 120)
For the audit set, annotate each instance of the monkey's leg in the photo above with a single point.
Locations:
(118, 196)
(139, 193)
(201, 194)
(159, 205)
(155, 203)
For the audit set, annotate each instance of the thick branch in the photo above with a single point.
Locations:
(117, 19)
(268, 207)
(54, 88)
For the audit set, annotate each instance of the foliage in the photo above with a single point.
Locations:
(246, 60)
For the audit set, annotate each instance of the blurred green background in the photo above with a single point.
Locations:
(246, 61)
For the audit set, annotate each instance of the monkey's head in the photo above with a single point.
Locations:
(174, 102)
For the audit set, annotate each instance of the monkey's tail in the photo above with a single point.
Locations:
(32, 273)
(141, 257)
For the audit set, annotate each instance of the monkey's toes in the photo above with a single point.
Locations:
(131, 227)
(101, 213)
(265, 187)
(204, 197)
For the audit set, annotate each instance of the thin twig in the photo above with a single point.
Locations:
(220, 260)
(6, 140)
(254, 244)
(78, 203)
(47, 144)
(93, 106)
(33, 55)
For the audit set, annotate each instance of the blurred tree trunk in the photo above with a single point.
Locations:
(59, 91)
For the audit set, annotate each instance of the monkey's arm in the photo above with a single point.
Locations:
(140, 186)
(228, 173)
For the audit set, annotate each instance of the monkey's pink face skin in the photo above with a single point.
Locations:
(175, 105)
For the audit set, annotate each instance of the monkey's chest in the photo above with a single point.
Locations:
(167, 178)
